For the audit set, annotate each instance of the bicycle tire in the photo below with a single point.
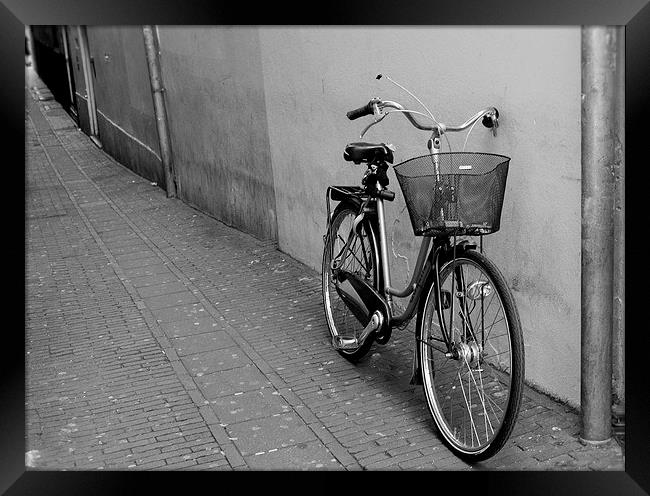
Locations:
(486, 365)
(338, 317)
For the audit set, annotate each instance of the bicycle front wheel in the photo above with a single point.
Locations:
(472, 378)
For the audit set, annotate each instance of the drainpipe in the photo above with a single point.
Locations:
(618, 336)
(151, 44)
(87, 64)
(66, 53)
(598, 162)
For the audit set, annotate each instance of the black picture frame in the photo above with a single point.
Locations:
(634, 14)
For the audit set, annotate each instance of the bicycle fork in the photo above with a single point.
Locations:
(444, 300)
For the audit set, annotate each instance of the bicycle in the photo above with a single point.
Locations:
(469, 353)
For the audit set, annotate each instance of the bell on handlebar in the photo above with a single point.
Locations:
(491, 121)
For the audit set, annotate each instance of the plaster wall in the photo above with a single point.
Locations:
(313, 76)
(125, 114)
(217, 120)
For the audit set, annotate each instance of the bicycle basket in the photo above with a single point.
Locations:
(462, 194)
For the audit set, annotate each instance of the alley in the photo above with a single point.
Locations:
(160, 338)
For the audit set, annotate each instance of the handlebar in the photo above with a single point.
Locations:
(375, 106)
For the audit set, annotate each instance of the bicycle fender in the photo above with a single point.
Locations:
(341, 193)
(447, 253)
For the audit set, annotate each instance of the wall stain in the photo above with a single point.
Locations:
(538, 287)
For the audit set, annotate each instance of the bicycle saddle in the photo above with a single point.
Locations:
(367, 152)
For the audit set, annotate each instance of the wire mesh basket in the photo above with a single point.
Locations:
(457, 193)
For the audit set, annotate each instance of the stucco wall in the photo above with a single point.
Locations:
(125, 115)
(532, 75)
(217, 119)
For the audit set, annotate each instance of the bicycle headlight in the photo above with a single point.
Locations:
(479, 289)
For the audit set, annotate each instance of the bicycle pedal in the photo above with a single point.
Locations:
(340, 343)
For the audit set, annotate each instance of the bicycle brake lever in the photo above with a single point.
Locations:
(376, 121)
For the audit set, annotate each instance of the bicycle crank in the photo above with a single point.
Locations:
(341, 343)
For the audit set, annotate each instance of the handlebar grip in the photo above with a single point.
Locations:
(360, 112)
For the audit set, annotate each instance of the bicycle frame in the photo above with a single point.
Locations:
(420, 272)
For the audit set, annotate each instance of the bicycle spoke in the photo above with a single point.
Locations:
(492, 325)
(487, 417)
(481, 397)
(460, 379)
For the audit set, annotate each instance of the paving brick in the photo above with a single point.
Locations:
(152, 280)
(170, 300)
(264, 434)
(232, 381)
(303, 456)
(201, 364)
(188, 345)
(249, 405)
(191, 327)
(161, 289)
(373, 459)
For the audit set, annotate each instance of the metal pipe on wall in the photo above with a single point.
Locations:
(86, 64)
(157, 91)
(598, 162)
(618, 336)
(66, 54)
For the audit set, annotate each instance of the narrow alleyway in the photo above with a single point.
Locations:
(159, 338)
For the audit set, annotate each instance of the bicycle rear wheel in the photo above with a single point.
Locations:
(474, 387)
(361, 260)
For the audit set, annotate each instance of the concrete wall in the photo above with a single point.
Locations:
(125, 115)
(532, 75)
(217, 117)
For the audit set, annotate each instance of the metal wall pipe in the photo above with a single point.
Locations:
(598, 164)
(618, 336)
(66, 53)
(157, 91)
(86, 64)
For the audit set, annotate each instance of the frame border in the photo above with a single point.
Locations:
(634, 14)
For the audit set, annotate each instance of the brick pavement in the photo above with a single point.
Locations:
(159, 338)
